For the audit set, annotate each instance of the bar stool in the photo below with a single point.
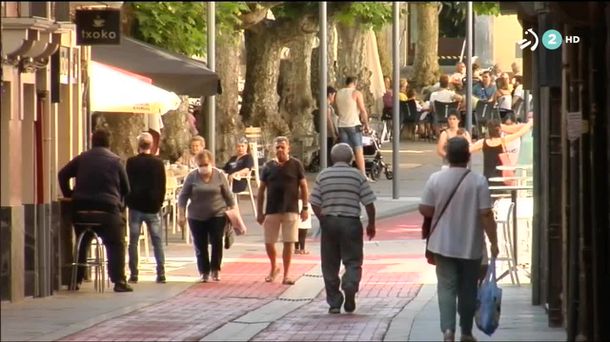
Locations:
(97, 261)
(504, 214)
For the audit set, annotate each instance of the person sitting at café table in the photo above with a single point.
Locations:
(187, 158)
(238, 167)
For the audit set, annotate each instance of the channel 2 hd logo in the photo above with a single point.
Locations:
(551, 39)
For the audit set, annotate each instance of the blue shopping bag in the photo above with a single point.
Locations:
(489, 302)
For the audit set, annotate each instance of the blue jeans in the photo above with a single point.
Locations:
(153, 222)
(457, 279)
(351, 136)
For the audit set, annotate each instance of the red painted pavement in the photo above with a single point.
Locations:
(385, 289)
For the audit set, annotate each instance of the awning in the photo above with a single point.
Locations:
(114, 90)
(178, 73)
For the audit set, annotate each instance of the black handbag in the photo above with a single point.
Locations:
(428, 221)
(229, 236)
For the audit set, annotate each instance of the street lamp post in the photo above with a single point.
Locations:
(395, 103)
(211, 143)
(469, 68)
(322, 97)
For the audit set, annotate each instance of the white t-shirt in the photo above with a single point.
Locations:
(459, 233)
(443, 95)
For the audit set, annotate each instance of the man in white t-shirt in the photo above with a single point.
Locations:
(457, 240)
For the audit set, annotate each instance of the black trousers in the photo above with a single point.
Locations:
(341, 241)
(209, 231)
(112, 233)
(302, 236)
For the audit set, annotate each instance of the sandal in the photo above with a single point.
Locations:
(287, 281)
(272, 276)
(304, 251)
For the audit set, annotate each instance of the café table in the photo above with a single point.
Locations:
(513, 195)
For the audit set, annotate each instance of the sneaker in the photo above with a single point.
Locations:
(449, 336)
(215, 276)
(122, 287)
(204, 277)
(334, 310)
(350, 302)
(161, 279)
(133, 279)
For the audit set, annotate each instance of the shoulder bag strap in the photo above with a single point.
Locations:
(447, 204)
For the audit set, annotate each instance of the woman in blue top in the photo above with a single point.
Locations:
(239, 166)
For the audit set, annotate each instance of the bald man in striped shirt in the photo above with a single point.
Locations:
(335, 199)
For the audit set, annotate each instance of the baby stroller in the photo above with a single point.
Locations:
(373, 160)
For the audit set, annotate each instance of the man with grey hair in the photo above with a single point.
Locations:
(283, 179)
(146, 174)
(335, 199)
(459, 203)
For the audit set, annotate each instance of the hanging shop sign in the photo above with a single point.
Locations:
(98, 26)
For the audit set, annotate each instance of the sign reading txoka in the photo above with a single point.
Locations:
(98, 27)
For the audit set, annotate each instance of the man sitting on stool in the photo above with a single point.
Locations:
(101, 185)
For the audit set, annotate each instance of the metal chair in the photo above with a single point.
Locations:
(504, 210)
(442, 110)
(248, 191)
(97, 261)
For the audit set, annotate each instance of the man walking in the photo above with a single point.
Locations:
(335, 199)
(352, 118)
(147, 180)
(458, 240)
(100, 187)
(284, 180)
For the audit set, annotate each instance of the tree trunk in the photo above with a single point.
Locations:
(125, 127)
(229, 125)
(331, 62)
(426, 70)
(350, 61)
(260, 95)
(175, 135)
(297, 102)
(384, 36)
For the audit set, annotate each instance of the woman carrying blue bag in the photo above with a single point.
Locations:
(459, 204)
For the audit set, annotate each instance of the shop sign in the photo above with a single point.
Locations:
(98, 26)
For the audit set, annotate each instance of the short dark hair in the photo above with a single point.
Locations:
(100, 138)
(330, 90)
(411, 92)
(458, 150)
(444, 81)
(349, 80)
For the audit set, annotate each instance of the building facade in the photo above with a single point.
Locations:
(42, 125)
(571, 254)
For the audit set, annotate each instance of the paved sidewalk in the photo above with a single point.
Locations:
(397, 300)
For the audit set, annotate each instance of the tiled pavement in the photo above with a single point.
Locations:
(203, 308)
(397, 301)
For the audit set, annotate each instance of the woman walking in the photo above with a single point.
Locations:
(208, 190)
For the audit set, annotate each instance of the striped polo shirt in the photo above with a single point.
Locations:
(340, 189)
